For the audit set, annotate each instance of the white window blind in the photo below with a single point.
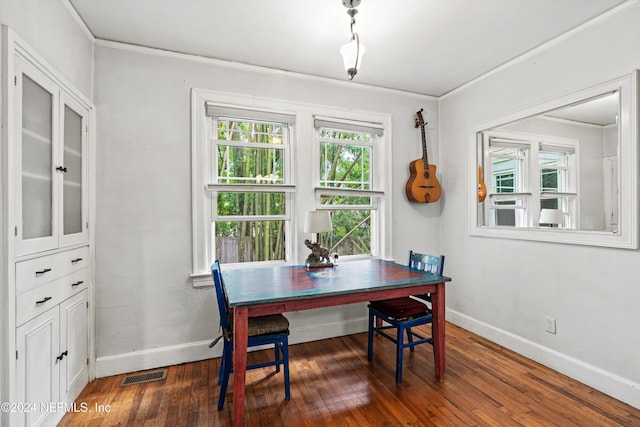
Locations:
(223, 112)
(349, 126)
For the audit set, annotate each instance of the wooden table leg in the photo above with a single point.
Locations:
(240, 339)
(438, 307)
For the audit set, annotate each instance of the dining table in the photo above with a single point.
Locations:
(258, 291)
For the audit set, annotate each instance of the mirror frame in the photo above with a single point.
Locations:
(627, 233)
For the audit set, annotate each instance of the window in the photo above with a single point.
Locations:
(347, 167)
(251, 184)
(258, 165)
(558, 181)
(530, 173)
(508, 181)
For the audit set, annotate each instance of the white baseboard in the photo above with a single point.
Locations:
(191, 352)
(154, 358)
(611, 384)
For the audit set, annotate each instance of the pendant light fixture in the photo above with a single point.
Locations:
(353, 50)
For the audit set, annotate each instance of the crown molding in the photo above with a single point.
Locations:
(76, 17)
(145, 50)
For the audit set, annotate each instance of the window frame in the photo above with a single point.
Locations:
(374, 191)
(301, 188)
(216, 186)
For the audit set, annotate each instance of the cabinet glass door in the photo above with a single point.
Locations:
(51, 167)
(74, 201)
(37, 152)
(73, 175)
(36, 125)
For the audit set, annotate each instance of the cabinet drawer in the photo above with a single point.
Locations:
(38, 271)
(38, 300)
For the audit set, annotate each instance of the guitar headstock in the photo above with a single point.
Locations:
(419, 119)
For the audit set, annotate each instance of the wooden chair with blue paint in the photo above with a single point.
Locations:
(263, 330)
(404, 313)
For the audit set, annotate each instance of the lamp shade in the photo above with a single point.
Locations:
(349, 52)
(317, 222)
(551, 216)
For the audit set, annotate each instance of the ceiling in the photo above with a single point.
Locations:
(423, 46)
(599, 111)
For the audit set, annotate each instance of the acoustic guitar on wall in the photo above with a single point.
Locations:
(423, 186)
(482, 188)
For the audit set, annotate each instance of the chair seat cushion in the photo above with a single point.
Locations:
(264, 325)
(399, 308)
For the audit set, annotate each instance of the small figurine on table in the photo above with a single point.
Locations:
(319, 256)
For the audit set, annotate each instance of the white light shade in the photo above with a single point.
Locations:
(349, 52)
(551, 216)
(317, 222)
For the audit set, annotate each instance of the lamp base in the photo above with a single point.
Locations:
(319, 256)
(319, 266)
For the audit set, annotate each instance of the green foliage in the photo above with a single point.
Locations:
(343, 164)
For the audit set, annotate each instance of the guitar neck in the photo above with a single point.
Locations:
(425, 156)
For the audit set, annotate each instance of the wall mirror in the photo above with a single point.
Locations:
(562, 171)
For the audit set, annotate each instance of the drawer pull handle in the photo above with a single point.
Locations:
(73, 261)
(62, 355)
(46, 270)
(79, 282)
(42, 301)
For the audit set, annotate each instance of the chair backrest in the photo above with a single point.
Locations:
(430, 263)
(221, 294)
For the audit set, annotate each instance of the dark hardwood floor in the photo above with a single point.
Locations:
(333, 384)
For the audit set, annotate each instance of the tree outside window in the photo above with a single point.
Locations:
(346, 159)
(250, 225)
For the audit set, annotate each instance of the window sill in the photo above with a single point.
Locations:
(576, 237)
(201, 280)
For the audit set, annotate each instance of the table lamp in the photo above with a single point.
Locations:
(317, 222)
(551, 217)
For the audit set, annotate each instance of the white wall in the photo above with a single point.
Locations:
(148, 312)
(503, 289)
(48, 27)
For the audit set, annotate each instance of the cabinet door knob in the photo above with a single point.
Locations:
(62, 355)
(61, 169)
(46, 270)
(42, 301)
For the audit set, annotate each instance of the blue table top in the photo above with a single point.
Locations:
(264, 285)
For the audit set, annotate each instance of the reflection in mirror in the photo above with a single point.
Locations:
(560, 164)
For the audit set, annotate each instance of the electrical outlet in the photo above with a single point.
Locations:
(550, 324)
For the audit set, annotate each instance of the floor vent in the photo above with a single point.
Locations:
(144, 378)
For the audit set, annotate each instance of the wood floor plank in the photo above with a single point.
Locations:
(333, 384)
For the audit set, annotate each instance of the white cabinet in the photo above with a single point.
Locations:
(51, 129)
(74, 367)
(38, 346)
(46, 320)
(51, 362)
(52, 335)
